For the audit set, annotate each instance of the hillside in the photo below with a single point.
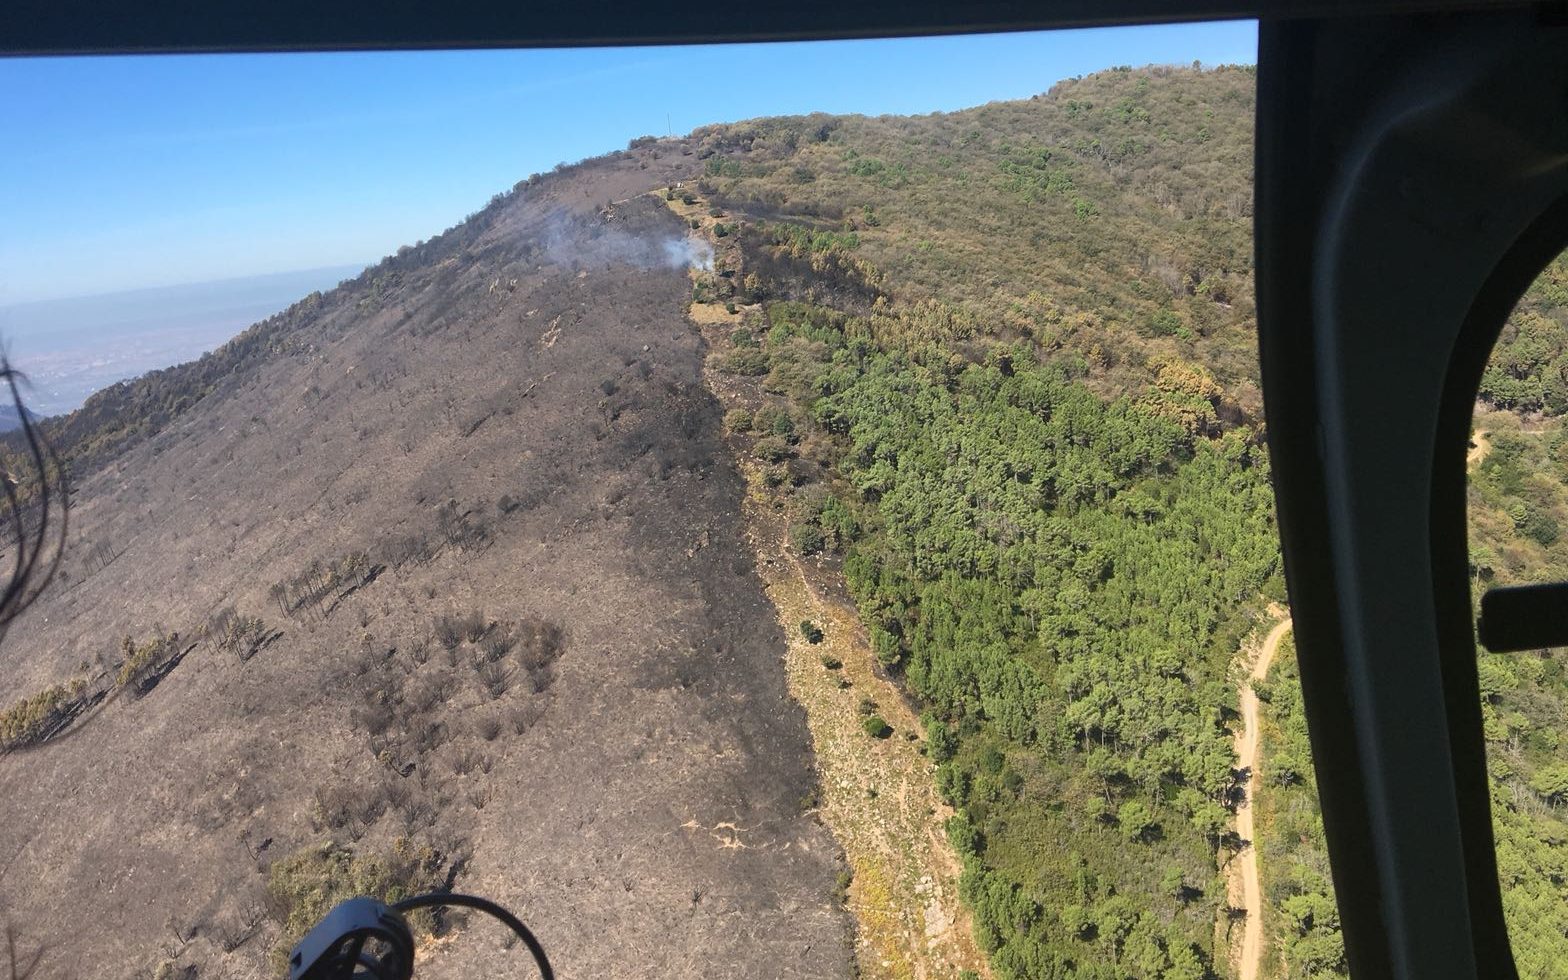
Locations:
(1019, 340)
(1054, 516)
(437, 577)
(456, 574)
(1106, 222)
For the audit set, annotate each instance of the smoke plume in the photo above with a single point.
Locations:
(574, 243)
(690, 252)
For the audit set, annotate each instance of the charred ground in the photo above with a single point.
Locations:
(435, 579)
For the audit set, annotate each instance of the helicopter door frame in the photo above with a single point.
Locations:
(1412, 175)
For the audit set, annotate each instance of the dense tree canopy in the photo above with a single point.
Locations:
(1019, 340)
(1063, 581)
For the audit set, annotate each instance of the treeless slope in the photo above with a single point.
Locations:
(637, 800)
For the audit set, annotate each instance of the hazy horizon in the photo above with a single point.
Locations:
(70, 347)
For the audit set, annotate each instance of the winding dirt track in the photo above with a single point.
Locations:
(1247, 759)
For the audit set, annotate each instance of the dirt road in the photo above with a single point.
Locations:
(1247, 759)
(1480, 445)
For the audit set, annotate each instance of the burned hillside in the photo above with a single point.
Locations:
(436, 579)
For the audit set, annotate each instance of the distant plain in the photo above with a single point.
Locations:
(74, 346)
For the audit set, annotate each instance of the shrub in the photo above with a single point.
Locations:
(452, 630)
(1165, 323)
(831, 663)
(953, 784)
(375, 717)
(348, 805)
(304, 886)
(965, 836)
(540, 644)
(941, 741)
(774, 421)
(813, 634)
(498, 643)
(488, 727)
(886, 646)
(771, 450)
(877, 728)
(841, 886)
(495, 678)
(867, 707)
(423, 697)
(808, 539)
(474, 626)
(447, 632)
(463, 760)
(31, 719)
(142, 660)
(748, 362)
(737, 420)
(837, 521)
(1541, 528)
(525, 716)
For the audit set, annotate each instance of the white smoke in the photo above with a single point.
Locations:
(690, 252)
(575, 243)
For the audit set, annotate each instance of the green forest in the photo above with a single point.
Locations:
(1013, 388)
(1293, 855)
(1063, 582)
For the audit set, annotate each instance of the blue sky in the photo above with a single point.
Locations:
(122, 173)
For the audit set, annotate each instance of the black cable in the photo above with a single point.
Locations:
(438, 899)
(25, 585)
